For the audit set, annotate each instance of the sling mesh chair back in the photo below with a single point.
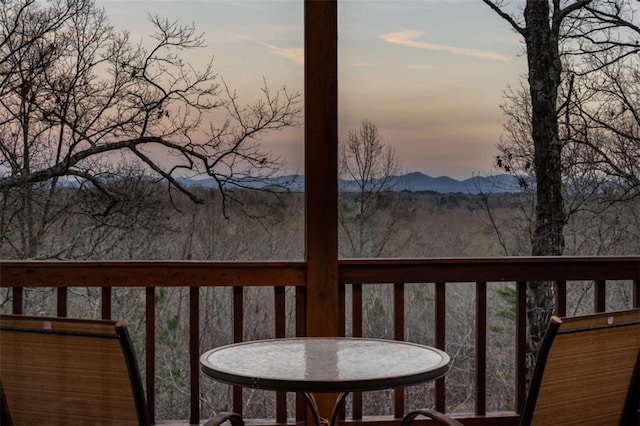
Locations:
(69, 371)
(62, 371)
(586, 374)
(587, 371)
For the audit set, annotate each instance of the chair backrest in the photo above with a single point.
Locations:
(68, 371)
(585, 370)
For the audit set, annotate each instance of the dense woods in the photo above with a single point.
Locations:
(439, 225)
(267, 226)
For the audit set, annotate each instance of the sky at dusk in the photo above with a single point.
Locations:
(430, 73)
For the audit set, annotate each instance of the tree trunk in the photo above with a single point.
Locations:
(547, 240)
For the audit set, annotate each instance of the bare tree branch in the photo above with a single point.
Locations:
(497, 6)
(77, 96)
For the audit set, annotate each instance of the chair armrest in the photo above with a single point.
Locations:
(233, 418)
(435, 415)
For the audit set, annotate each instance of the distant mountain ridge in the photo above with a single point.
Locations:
(415, 181)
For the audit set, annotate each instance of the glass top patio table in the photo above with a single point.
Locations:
(324, 364)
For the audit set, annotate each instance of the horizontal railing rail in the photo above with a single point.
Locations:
(490, 269)
(478, 272)
(354, 275)
(150, 275)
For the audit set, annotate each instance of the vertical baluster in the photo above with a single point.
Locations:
(521, 344)
(481, 348)
(600, 296)
(300, 311)
(18, 300)
(342, 309)
(301, 303)
(440, 337)
(194, 354)
(561, 298)
(398, 325)
(280, 331)
(280, 311)
(356, 313)
(356, 309)
(150, 352)
(106, 303)
(238, 335)
(342, 329)
(61, 308)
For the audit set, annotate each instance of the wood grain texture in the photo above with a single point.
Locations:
(589, 370)
(65, 372)
(321, 166)
(321, 172)
(150, 274)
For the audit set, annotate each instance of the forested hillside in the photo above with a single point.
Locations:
(263, 226)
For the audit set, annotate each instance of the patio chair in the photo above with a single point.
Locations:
(587, 373)
(61, 371)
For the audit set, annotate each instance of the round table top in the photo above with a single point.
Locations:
(324, 364)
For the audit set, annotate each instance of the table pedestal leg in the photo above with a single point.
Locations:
(319, 420)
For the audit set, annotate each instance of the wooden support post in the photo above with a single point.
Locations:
(321, 172)
(321, 166)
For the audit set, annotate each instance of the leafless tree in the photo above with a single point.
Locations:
(77, 97)
(562, 37)
(370, 168)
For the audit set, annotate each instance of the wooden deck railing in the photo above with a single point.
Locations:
(355, 275)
